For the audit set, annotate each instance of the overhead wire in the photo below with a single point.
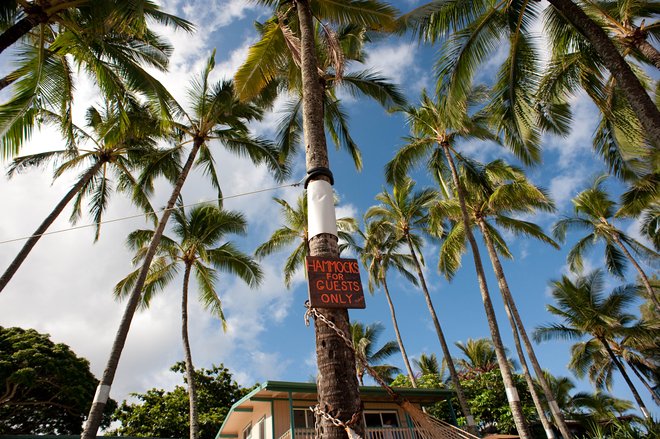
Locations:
(123, 218)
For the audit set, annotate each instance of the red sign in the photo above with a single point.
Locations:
(334, 283)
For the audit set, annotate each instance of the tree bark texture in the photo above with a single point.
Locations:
(18, 30)
(519, 330)
(32, 241)
(505, 371)
(187, 353)
(626, 378)
(642, 274)
(650, 53)
(641, 378)
(96, 411)
(639, 100)
(338, 391)
(399, 340)
(460, 395)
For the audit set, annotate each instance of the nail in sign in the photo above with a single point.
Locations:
(334, 283)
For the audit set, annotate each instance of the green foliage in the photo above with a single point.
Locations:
(165, 414)
(47, 388)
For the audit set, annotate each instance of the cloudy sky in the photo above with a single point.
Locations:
(65, 286)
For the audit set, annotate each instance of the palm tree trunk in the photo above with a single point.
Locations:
(650, 53)
(32, 241)
(187, 353)
(460, 395)
(399, 340)
(639, 100)
(645, 279)
(619, 366)
(7, 80)
(640, 377)
(505, 371)
(337, 384)
(19, 30)
(103, 390)
(518, 331)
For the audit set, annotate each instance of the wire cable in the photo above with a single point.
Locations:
(114, 220)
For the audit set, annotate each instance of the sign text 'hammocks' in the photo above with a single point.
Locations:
(334, 283)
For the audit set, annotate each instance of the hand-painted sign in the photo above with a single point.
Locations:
(334, 283)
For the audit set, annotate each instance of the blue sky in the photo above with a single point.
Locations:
(65, 286)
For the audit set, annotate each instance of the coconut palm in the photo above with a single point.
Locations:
(473, 30)
(435, 127)
(478, 357)
(379, 252)
(429, 365)
(495, 194)
(216, 117)
(110, 40)
(365, 341)
(275, 59)
(336, 387)
(294, 231)
(642, 200)
(200, 247)
(405, 212)
(619, 138)
(116, 149)
(587, 312)
(594, 213)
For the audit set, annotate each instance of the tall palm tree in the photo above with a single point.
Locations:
(365, 341)
(337, 387)
(116, 149)
(586, 311)
(405, 213)
(594, 213)
(495, 194)
(200, 247)
(473, 30)
(435, 127)
(294, 231)
(429, 365)
(380, 251)
(479, 357)
(218, 117)
(110, 40)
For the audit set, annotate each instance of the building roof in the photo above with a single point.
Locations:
(274, 390)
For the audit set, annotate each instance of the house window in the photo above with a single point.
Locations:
(303, 418)
(261, 428)
(247, 431)
(374, 419)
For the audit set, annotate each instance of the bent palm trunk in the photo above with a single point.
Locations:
(103, 390)
(460, 395)
(639, 100)
(642, 274)
(505, 371)
(337, 384)
(518, 331)
(187, 353)
(32, 241)
(399, 340)
(640, 377)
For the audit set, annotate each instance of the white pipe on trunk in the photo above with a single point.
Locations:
(320, 209)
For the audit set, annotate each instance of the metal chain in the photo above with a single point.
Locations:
(363, 361)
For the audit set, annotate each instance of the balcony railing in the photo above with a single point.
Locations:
(371, 433)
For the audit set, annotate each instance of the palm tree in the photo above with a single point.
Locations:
(479, 357)
(405, 213)
(586, 311)
(201, 249)
(594, 212)
(365, 341)
(477, 27)
(429, 365)
(495, 194)
(435, 127)
(275, 59)
(337, 387)
(216, 116)
(110, 40)
(574, 65)
(642, 200)
(295, 230)
(379, 252)
(116, 149)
